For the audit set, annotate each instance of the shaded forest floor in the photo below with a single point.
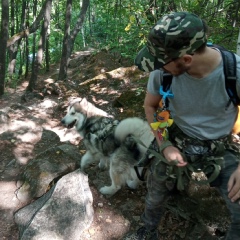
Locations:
(116, 86)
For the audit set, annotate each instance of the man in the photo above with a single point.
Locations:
(203, 117)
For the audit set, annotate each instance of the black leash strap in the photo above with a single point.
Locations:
(140, 176)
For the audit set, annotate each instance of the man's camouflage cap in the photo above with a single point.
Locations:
(173, 36)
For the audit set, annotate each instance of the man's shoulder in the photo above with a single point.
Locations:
(237, 57)
(156, 73)
(238, 65)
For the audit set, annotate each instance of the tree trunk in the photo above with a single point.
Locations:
(47, 55)
(78, 25)
(24, 25)
(3, 43)
(12, 51)
(66, 47)
(41, 47)
(68, 42)
(31, 84)
(26, 57)
(238, 43)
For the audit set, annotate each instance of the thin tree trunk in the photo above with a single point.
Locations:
(238, 43)
(24, 25)
(31, 84)
(65, 47)
(26, 57)
(68, 41)
(41, 47)
(47, 55)
(12, 52)
(79, 24)
(33, 28)
(3, 43)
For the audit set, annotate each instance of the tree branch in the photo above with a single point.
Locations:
(33, 28)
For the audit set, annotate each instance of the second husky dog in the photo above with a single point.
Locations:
(110, 142)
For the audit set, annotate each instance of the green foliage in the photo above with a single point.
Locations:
(123, 25)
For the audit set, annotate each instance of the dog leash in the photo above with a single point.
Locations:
(181, 173)
(141, 176)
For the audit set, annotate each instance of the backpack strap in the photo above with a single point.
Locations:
(166, 84)
(229, 68)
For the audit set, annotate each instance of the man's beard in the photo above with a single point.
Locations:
(180, 69)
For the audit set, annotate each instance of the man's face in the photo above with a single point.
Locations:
(176, 67)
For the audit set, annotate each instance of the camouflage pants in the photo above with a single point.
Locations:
(159, 190)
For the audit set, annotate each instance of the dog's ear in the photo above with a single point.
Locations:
(83, 102)
(73, 100)
(81, 105)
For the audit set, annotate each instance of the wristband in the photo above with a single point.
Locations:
(164, 145)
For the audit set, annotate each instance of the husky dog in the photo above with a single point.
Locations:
(110, 142)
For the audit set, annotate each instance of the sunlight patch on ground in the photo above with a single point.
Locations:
(8, 199)
(47, 104)
(99, 101)
(99, 90)
(23, 152)
(18, 124)
(25, 135)
(65, 134)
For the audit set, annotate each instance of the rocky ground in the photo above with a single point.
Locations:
(30, 124)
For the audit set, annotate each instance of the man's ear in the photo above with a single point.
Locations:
(187, 59)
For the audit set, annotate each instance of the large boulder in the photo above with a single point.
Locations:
(41, 171)
(62, 213)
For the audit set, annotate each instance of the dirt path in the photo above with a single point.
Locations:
(117, 88)
(23, 119)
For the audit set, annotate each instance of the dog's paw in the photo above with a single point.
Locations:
(108, 190)
(102, 165)
(133, 184)
(83, 165)
(86, 160)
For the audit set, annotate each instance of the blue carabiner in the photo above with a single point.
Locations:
(167, 94)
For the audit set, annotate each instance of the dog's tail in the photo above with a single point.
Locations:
(135, 127)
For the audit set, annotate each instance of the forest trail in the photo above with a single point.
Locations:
(116, 86)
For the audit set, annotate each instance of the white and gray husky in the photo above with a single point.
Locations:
(110, 142)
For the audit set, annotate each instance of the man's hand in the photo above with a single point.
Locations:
(171, 153)
(234, 185)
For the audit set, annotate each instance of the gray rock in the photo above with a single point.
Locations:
(4, 121)
(64, 212)
(47, 166)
